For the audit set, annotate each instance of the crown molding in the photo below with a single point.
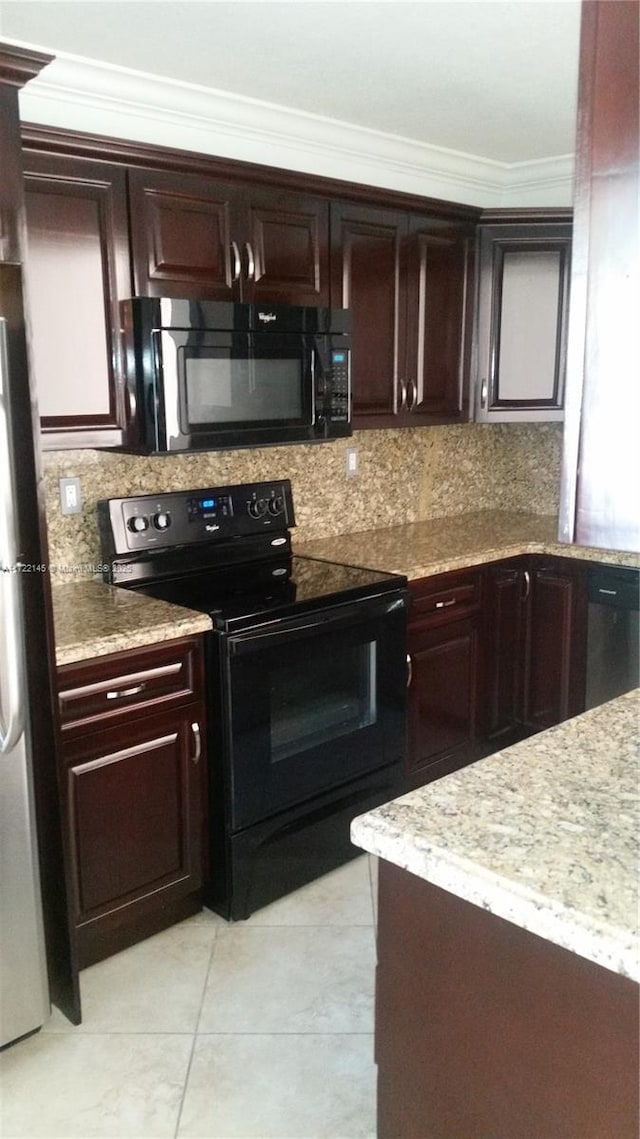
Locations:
(96, 98)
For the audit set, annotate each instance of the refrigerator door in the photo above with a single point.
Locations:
(24, 992)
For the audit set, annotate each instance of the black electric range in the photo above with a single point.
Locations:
(306, 674)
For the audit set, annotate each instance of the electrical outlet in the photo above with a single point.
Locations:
(70, 496)
(351, 461)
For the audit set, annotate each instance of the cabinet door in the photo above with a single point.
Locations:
(506, 594)
(181, 236)
(522, 318)
(438, 332)
(284, 244)
(133, 797)
(555, 645)
(77, 272)
(368, 276)
(442, 698)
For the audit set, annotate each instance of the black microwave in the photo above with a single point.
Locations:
(208, 375)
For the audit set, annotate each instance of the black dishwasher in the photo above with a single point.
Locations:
(612, 633)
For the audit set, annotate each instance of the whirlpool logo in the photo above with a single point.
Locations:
(267, 317)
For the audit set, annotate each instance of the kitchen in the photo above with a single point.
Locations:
(501, 467)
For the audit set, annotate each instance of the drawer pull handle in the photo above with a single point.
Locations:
(409, 670)
(195, 728)
(120, 693)
(445, 604)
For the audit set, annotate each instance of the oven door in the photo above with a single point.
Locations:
(313, 703)
(234, 388)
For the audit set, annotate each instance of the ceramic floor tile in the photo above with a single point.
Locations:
(156, 986)
(280, 1087)
(341, 897)
(81, 1087)
(288, 979)
(373, 874)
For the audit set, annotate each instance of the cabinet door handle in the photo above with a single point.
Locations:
(120, 693)
(445, 604)
(251, 263)
(484, 392)
(527, 584)
(237, 264)
(195, 728)
(411, 387)
(409, 670)
(403, 395)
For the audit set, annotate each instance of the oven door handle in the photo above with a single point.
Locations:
(340, 617)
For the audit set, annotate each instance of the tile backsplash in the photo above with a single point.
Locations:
(403, 476)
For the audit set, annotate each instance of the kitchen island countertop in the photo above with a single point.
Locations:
(92, 619)
(423, 549)
(542, 834)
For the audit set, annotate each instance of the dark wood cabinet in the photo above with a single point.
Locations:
(444, 638)
(504, 639)
(484, 1029)
(196, 237)
(522, 312)
(405, 277)
(534, 646)
(555, 654)
(78, 271)
(133, 779)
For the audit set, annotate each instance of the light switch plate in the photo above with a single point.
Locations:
(351, 461)
(70, 496)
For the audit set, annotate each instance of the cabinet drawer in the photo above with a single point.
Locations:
(445, 597)
(100, 691)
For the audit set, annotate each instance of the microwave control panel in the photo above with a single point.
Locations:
(334, 389)
(180, 518)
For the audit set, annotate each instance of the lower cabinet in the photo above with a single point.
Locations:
(445, 624)
(133, 792)
(534, 646)
(495, 653)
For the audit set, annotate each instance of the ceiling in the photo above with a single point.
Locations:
(489, 78)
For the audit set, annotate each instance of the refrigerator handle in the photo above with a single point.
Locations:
(12, 701)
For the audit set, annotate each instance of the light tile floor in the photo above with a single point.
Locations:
(258, 1030)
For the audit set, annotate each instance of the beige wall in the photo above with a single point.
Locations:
(404, 476)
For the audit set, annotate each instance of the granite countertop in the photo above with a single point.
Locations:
(92, 619)
(543, 834)
(421, 549)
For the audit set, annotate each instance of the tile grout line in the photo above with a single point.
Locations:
(195, 1036)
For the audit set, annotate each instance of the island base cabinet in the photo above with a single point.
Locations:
(486, 1031)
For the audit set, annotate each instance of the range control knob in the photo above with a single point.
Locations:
(138, 523)
(257, 507)
(276, 504)
(162, 520)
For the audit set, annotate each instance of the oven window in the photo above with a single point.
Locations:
(221, 389)
(332, 696)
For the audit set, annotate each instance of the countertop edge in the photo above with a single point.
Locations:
(605, 945)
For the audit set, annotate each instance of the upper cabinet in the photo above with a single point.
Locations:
(522, 314)
(143, 225)
(406, 279)
(77, 272)
(208, 240)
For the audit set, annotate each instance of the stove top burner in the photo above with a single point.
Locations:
(244, 596)
(225, 551)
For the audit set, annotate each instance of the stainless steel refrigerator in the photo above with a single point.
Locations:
(34, 943)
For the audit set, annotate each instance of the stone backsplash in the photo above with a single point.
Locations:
(403, 476)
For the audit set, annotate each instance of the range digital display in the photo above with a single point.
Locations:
(339, 357)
